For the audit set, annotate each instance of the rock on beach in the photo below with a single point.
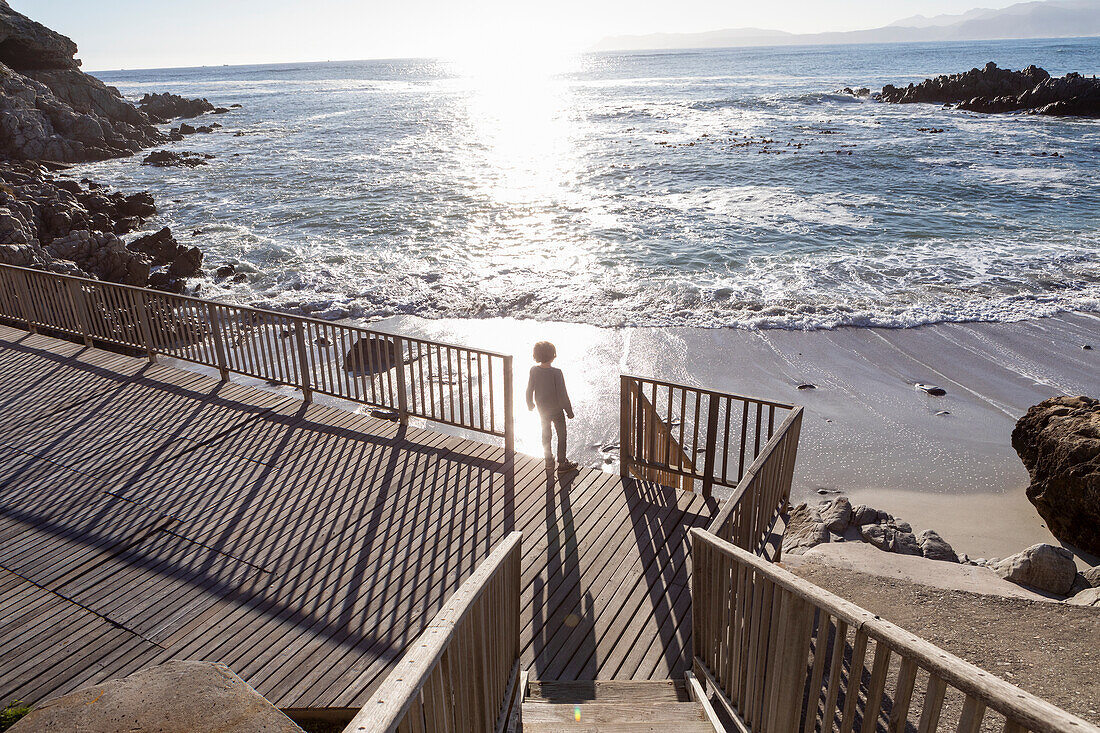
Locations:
(1058, 441)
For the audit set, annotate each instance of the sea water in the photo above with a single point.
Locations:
(713, 188)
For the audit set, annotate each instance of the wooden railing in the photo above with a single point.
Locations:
(462, 673)
(748, 517)
(788, 657)
(449, 384)
(678, 435)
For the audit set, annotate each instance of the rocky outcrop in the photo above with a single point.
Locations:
(175, 697)
(995, 90)
(164, 107)
(1043, 567)
(1059, 442)
(839, 521)
(55, 223)
(172, 159)
(50, 110)
(179, 262)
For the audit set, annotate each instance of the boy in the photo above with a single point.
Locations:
(546, 389)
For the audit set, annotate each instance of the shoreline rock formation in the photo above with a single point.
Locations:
(1042, 567)
(994, 90)
(1058, 441)
(53, 114)
(50, 109)
(50, 221)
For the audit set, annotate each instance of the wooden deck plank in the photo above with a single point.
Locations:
(305, 546)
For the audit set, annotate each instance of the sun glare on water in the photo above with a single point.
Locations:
(521, 141)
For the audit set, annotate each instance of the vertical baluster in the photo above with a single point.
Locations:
(402, 400)
(303, 362)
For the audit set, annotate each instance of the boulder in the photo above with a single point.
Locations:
(905, 543)
(934, 547)
(1059, 442)
(175, 697)
(1092, 576)
(170, 158)
(837, 514)
(1090, 598)
(876, 535)
(371, 355)
(161, 247)
(804, 529)
(863, 514)
(164, 107)
(1043, 567)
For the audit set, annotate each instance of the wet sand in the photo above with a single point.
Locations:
(939, 462)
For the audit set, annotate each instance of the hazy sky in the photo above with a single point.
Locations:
(115, 34)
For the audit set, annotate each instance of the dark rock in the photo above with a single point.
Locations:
(806, 385)
(371, 355)
(1059, 442)
(934, 547)
(138, 204)
(932, 390)
(905, 543)
(188, 263)
(169, 158)
(993, 90)
(876, 535)
(161, 247)
(164, 107)
(863, 514)
(220, 110)
(225, 271)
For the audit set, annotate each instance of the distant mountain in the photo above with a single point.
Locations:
(1049, 19)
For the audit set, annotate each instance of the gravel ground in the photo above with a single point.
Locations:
(1052, 650)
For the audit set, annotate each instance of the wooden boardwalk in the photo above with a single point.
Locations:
(150, 513)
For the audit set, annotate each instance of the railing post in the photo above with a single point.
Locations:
(76, 294)
(624, 426)
(219, 342)
(509, 410)
(303, 362)
(25, 304)
(710, 445)
(402, 397)
(142, 306)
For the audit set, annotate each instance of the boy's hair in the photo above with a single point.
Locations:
(544, 352)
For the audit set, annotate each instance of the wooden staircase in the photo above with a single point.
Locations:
(614, 706)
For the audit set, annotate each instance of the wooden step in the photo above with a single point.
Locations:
(632, 727)
(672, 716)
(607, 691)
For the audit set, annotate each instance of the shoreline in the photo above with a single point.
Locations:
(868, 432)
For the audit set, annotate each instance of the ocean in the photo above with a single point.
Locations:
(712, 188)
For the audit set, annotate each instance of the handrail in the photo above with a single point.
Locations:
(677, 434)
(462, 673)
(441, 382)
(748, 515)
(775, 647)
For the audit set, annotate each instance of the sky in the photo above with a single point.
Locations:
(131, 34)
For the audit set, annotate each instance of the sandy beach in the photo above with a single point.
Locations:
(939, 462)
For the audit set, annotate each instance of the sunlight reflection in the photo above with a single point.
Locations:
(522, 124)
